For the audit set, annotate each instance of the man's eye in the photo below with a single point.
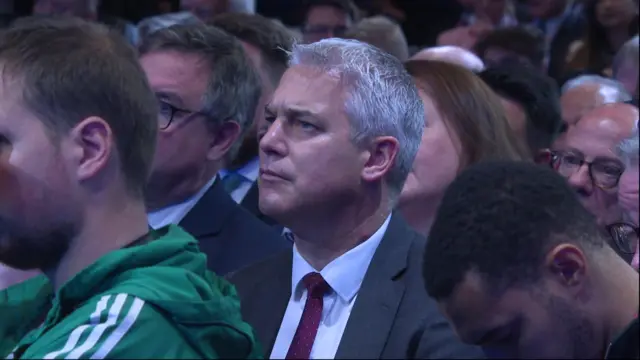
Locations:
(306, 125)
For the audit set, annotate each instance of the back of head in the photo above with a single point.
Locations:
(155, 23)
(233, 88)
(518, 43)
(271, 38)
(69, 70)
(500, 219)
(538, 96)
(381, 99)
(382, 33)
(470, 109)
(451, 54)
(610, 90)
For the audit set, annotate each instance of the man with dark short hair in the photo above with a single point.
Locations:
(519, 267)
(78, 127)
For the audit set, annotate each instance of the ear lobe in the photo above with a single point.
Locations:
(382, 156)
(567, 263)
(92, 138)
(223, 137)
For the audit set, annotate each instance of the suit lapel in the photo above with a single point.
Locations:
(274, 293)
(200, 221)
(379, 297)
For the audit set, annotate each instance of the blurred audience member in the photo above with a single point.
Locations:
(242, 6)
(531, 101)
(628, 197)
(451, 54)
(465, 37)
(562, 22)
(382, 33)
(346, 122)
(154, 23)
(587, 92)
(207, 94)
(587, 158)
(610, 23)
(518, 44)
(496, 13)
(625, 66)
(464, 123)
(84, 9)
(327, 18)
(267, 43)
(205, 10)
(520, 268)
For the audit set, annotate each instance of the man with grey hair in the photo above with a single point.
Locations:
(339, 139)
(584, 93)
(451, 54)
(628, 189)
(207, 93)
(625, 65)
(382, 33)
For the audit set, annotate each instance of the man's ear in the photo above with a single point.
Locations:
(92, 142)
(381, 157)
(223, 137)
(567, 266)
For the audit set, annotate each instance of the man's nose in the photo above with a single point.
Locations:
(581, 180)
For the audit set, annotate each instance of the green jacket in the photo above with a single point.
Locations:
(155, 300)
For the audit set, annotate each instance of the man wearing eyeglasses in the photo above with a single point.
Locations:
(587, 158)
(207, 94)
(327, 18)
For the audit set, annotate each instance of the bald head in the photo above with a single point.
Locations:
(585, 93)
(616, 121)
(451, 54)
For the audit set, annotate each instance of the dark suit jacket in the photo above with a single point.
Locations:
(392, 318)
(231, 237)
(250, 203)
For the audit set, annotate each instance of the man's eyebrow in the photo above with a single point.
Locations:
(170, 96)
(292, 111)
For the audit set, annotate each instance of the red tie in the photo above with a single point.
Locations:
(305, 335)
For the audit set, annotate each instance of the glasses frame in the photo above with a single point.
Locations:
(611, 230)
(556, 155)
(174, 110)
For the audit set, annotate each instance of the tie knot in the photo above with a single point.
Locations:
(232, 181)
(316, 285)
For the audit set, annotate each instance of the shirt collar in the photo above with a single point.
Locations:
(250, 170)
(344, 274)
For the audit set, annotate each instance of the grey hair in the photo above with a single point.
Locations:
(234, 85)
(629, 148)
(612, 90)
(382, 99)
(628, 53)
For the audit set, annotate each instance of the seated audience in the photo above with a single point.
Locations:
(205, 10)
(518, 43)
(464, 123)
(451, 54)
(531, 101)
(628, 189)
(154, 23)
(327, 18)
(520, 268)
(266, 44)
(73, 171)
(345, 125)
(465, 37)
(585, 93)
(625, 66)
(610, 23)
(561, 22)
(382, 33)
(587, 158)
(207, 91)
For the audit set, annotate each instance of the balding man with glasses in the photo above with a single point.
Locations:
(207, 94)
(590, 162)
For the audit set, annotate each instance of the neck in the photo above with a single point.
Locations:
(420, 213)
(622, 299)
(320, 243)
(163, 191)
(617, 37)
(105, 229)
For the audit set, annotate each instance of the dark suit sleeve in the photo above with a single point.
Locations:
(437, 340)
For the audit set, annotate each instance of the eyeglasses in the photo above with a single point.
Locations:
(168, 113)
(625, 237)
(604, 173)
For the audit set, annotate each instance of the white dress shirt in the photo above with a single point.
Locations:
(344, 275)
(173, 214)
(250, 172)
